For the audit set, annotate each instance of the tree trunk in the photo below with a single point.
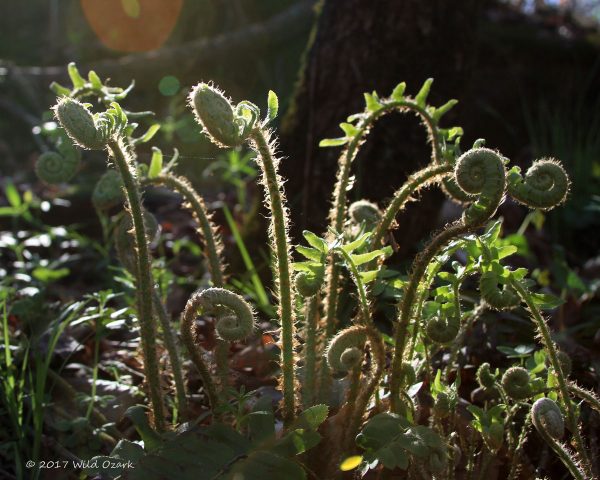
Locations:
(359, 46)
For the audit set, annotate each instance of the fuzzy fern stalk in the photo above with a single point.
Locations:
(563, 387)
(125, 247)
(311, 319)
(229, 127)
(172, 350)
(548, 421)
(356, 130)
(235, 322)
(144, 278)
(213, 248)
(418, 180)
(480, 172)
(98, 133)
(265, 147)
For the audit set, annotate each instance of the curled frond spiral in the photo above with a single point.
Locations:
(496, 295)
(364, 211)
(53, 168)
(480, 172)
(566, 365)
(517, 383)
(485, 377)
(546, 416)
(544, 186)
(443, 329)
(108, 192)
(80, 124)
(346, 349)
(308, 285)
(229, 327)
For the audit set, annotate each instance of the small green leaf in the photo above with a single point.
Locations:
(421, 98)
(272, 106)
(333, 142)
(369, 256)
(310, 253)
(356, 244)
(313, 417)
(149, 134)
(12, 195)
(76, 78)
(349, 129)
(399, 91)
(94, 79)
(372, 102)
(368, 277)
(455, 132)
(59, 90)
(47, 275)
(156, 163)
(315, 241)
(547, 300)
(441, 111)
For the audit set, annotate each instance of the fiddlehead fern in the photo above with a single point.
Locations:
(485, 377)
(346, 349)
(233, 326)
(517, 383)
(216, 114)
(443, 328)
(544, 186)
(566, 365)
(364, 211)
(548, 421)
(497, 295)
(91, 132)
(54, 168)
(228, 126)
(355, 134)
(308, 285)
(550, 348)
(480, 172)
(108, 191)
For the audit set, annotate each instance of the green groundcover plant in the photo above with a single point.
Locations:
(348, 389)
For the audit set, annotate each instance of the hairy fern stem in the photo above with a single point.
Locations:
(126, 169)
(267, 160)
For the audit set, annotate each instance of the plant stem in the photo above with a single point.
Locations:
(212, 248)
(310, 349)
(337, 214)
(187, 335)
(544, 332)
(406, 307)
(144, 294)
(279, 229)
(415, 182)
(208, 231)
(172, 349)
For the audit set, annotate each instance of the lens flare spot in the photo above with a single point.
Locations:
(132, 25)
(169, 85)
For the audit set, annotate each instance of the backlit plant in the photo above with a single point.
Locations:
(340, 374)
